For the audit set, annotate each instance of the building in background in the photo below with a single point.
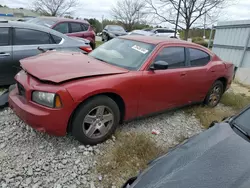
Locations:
(232, 43)
(16, 14)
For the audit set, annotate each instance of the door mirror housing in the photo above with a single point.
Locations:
(159, 65)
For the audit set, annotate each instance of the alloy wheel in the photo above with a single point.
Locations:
(98, 122)
(215, 95)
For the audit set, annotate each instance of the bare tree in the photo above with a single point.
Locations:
(54, 7)
(129, 12)
(190, 11)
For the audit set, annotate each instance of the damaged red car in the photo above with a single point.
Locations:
(125, 78)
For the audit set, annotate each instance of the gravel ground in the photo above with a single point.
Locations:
(32, 159)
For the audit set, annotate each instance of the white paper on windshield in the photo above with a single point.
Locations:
(139, 49)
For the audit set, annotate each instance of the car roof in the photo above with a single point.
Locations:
(59, 19)
(31, 26)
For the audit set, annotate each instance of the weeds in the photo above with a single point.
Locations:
(237, 101)
(130, 154)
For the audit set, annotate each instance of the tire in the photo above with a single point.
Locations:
(105, 37)
(214, 95)
(90, 133)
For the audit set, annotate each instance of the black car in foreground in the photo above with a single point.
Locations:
(217, 158)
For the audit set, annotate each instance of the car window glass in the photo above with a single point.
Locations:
(4, 36)
(62, 27)
(75, 27)
(56, 39)
(174, 56)
(198, 57)
(85, 27)
(243, 121)
(29, 37)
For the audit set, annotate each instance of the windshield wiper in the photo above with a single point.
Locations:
(100, 60)
(241, 130)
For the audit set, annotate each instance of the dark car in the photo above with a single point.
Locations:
(216, 158)
(112, 31)
(70, 27)
(19, 40)
(88, 95)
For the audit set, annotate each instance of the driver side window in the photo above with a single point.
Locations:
(174, 56)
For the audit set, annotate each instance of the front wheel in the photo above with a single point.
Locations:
(96, 120)
(214, 95)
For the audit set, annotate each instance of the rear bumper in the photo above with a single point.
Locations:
(51, 121)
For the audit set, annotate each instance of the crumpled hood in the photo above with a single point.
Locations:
(216, 158)
(62, 66)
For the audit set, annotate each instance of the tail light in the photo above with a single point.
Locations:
(87, 49)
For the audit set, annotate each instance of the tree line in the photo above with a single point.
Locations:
(138, 14)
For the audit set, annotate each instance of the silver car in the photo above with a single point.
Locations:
(19, 40)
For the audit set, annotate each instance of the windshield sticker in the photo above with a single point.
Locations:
(139, 49)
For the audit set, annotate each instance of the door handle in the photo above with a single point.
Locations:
(183, 74)
(4, 54)
(212, 70)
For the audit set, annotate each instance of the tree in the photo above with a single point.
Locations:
(95, 24)
(129, 12)
(54, 7)
(190, 11)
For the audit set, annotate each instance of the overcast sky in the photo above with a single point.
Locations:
(96, 8)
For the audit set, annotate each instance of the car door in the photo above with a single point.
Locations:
(199, 76)
(6, 62)
(163, 89)
(27, 42)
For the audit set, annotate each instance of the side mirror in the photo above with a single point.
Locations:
(156, 32)
(159, 65)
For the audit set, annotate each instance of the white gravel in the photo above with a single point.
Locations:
(32, 159)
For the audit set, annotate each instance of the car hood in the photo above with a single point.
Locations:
(217, 157)
(63, 66)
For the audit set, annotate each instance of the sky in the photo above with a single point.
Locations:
(238, 10)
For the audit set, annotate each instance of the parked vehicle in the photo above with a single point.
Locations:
(19, 40)
(164, 32)
(70, 27)
(218, 157)
(125, 78)
(141, 32)
(112, 31)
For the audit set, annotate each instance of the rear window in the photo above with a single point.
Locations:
(4, 36)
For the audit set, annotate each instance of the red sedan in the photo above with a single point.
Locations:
(125, 78)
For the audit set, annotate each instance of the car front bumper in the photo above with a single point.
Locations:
(42, 119)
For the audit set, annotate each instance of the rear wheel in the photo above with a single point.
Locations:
(214, 95)
(96, 120)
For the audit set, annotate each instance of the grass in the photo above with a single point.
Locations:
(98, 43)
(235, 100)
(131, 153)
(241, 84)
(207, 115)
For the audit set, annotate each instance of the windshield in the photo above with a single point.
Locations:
(116, 28)
(243, 121)
(43, 22)
(123, 53)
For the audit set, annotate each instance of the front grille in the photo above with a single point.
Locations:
(21, 89)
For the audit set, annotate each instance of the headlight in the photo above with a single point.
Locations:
(51, 100)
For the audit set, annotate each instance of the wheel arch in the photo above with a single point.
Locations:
(224, 82)
(114, 96)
